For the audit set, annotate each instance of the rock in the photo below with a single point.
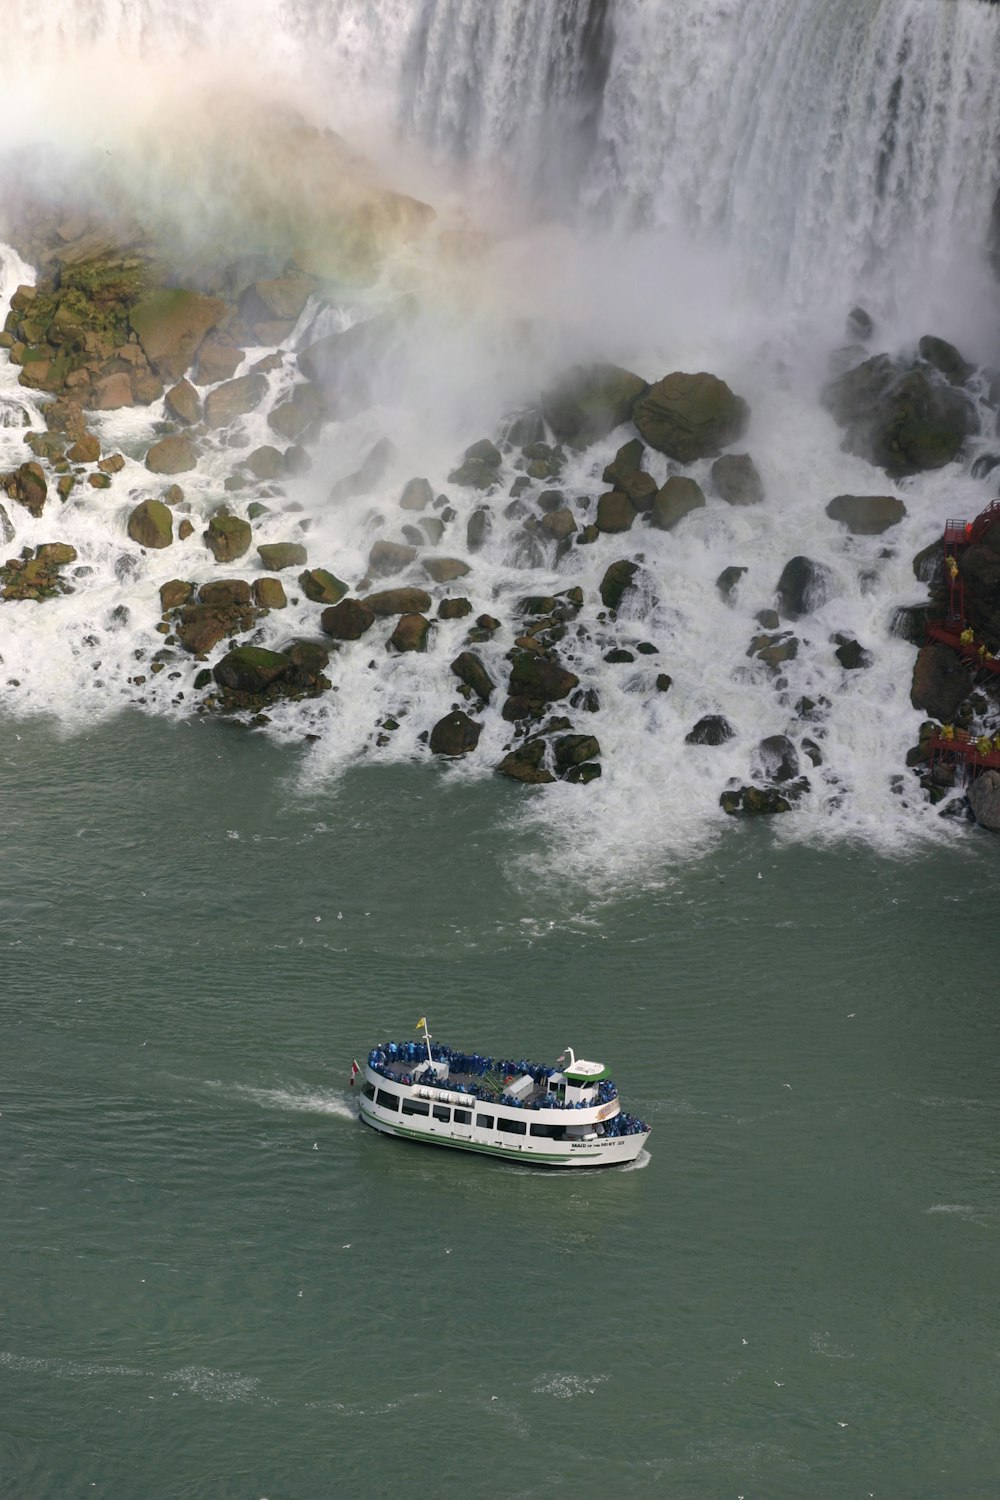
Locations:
(34, 575)
(928, 565)
(218, 360)
(713, 729)
(477, 530)
(445, 569)
(617, 580)
(397, 602)
(301, 415)
(860, 324)
(455, 734)
(777, 758)
(269, 593)
(417, 495)
(559, 524)
(171, 325)
(480, 466)
(249, 669)
(626, 462)
(185, 529)
(941, 682)
(201, 627)
(573, 749)
(321, 586)
(379, 458)
(677, 499)
(277, 556)
(736, 479)
(727, 581)
(151, 524)
(615, 512)
(348, 363)
(866, 515)
(228, 537)
(946, 359)
(386, 558)
(172, 455)
(664, 682)
(589, 401)
(525, 763)
(266, 462)
(31, 487)
(909, 622)
(281, 298)
(550, 500)
(802, 587)
(754, 800)
(183, 403)
(112, 393)
(454, 609)
(898, 418)
(688, 417)
(348, 620)
(768, 618)
(234, 399)
(6, 527)
(640, 488)
(774, 650)
(225, 593)
(618, 657)
(309, 660)
(468, 668)
(583, 775)
(984, 799)
(850, 653)
(410, 633)
(540, 679)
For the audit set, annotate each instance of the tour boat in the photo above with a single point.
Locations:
(562, 1115)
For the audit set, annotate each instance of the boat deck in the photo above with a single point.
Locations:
(488, 1086)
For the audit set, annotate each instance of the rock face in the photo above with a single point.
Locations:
(677, 499)
(736, 479)
(455, 734)
(151, 524)
(228, 537)
(348, 620)
(688, 417)
(898, 417)
(171, 326)
(802, 587)
(589, 401)
(866, 515)
(984, 799)
(941, 682)
(172, 455)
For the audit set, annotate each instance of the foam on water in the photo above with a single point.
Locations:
(293, 1100)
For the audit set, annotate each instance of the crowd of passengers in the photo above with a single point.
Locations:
(471, 1064)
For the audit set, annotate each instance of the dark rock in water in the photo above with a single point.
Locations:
(640, 487)
(249, 669)
(559, 524)
(224, 593)
(269, 593)
(480, 467)
(175, 593)
(802, 587)
(768, 619)
(445, 569)
(941, 682)
(397, 602)
(946, 359)
(183, 404)
(234, 399)
(455, 734)
(589, 401)
(898, 418)
(727, 581)
(417, 495)
(454, 609)
(410, 634)
(478, 529)
(228, 537)
(309, 660)
(276, 556)
(617, 580)
(736, 479)
(618, 657)
(523, 428)
(583, 775)
(586, 700)
(468, 668)
(754, 800)
(909, 622)
(866, 515)
(370, 474)
(526, 763)
(615, 512)
(860, 324)
(688, 417)
(928, 565)
(984, 799)
(778, 758)
(540, 678)
(850, 653)
(151, 524)
(348, 620)
(389, 557)
(664, 682)
(574, 749)
(321, 586)
(774, 650)
(677, 499)
(813, 751)
(175, 454)
(551, 500)
(300, 416)
(627, 461)
(432, 528)
(985, 464)
(266, 462)
(713, 729)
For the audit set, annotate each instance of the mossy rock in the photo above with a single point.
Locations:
(677, 499)
(250, 669)
(171, 325)
(277, 556)
(151, 524)
(689, 417)
(321, 586)
(228, 537)
(589, 401)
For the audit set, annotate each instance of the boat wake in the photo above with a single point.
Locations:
(642, 1160)
(292, 1100)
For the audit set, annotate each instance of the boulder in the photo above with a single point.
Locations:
(850, 653)
(626, 462)
(171, 325)
(754, 800)
(860, 324)
(269, 593)
(984, 799)
(455, 734)
(31, 487)
(348, 362)
(540, 679)
(281, 298)
(688, 417)
(386, 558)
(526, 763)
(266, 462)
(727, 581)
(640, 488)
(941, 682)
(777, 758)
(309, 660)
(417, 495)
(202, 626)
(175, 593)
(559, 524)
(898, 418)
(574, 749)
(250, 669)
(713, 729)
(389, 602)
(736, 479)
(234, 399)
(478, 528)
(866, 515)
(615, 512)
(616, 581)
(774, 650)
(228, 537)
(348, 620)
(445, 569)
(589, 401)
(321, 586)
(410, 633)
(802, 587)
(112, 393)
(151, 524)
(946, 359)
(454, 609)
(277, 556)
(218, 360)
(377, 461)
(183, 403)
(224, 593)
(677, 499)
(172, 455)
(301, 415)
(480, 466)
(468, 668)
(55, 554)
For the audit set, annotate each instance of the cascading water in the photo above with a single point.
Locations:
(694, 184)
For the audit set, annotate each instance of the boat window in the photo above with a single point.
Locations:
(484, 1122)
(440, 1113)
(554, 1132)
(368, 1089)
(513, 1127)
(415, 1107)
(387, 1101)
(463, 1117)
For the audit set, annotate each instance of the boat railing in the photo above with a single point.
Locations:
(412, 1056)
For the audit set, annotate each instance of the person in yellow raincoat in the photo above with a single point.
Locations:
(967, 637)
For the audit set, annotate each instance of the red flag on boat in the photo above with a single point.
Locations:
(355, 1070)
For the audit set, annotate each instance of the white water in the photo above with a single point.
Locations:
(755, 168)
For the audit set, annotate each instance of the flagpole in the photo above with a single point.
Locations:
(427, 1039)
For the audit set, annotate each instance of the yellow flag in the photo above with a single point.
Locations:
(422, 1023)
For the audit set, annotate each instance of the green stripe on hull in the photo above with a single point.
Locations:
(543, 1157)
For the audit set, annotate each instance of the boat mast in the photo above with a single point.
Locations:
(427, 1036)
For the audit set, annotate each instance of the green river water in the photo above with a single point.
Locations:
(217, 1284)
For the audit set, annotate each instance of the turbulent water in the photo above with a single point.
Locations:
(673, 184)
